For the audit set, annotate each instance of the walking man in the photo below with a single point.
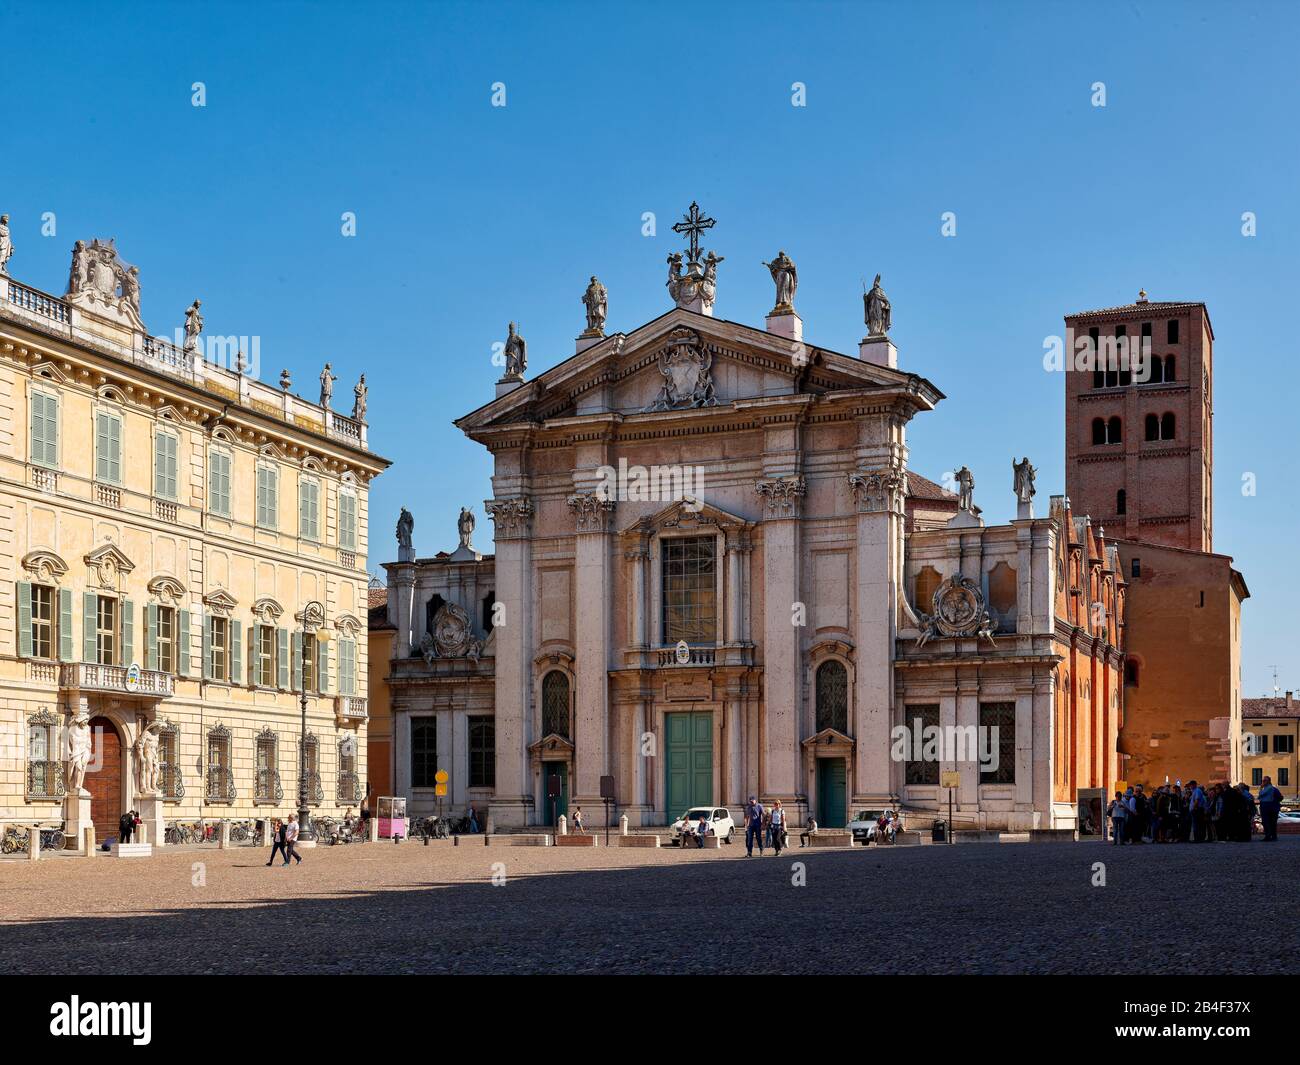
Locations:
(1118, 817)
(1270, 805)
(290, 838)
(753, 827)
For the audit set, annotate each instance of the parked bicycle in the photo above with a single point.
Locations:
(18, 839)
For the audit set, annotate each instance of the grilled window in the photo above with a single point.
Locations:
(922, 765)
(266, 766)
(169, 772)
(1002, 717)
(555, 704)
(690, 590)
(832, 697)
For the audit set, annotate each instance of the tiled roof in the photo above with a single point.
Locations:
(376, 597)
(1269, 708)
(1137, 308)
(924, 488)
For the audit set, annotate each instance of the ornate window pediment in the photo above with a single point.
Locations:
(165, 587)
(348, 625)
(107, 566)
(688, 515)
(49, 371)
(313, 615)
(220, 602)
(44, 566)
(267, 610)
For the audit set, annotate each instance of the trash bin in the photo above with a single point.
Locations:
(939, 832)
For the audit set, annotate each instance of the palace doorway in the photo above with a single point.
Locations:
(688, 761)
(104, 777)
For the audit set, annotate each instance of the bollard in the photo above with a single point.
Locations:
(223, 836)
(88, 841)
(562, 825)
(622, 825)
(34, 843)
(426, 839)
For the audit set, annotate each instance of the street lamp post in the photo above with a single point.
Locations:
(304, 813)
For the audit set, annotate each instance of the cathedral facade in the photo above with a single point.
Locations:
(715, 577)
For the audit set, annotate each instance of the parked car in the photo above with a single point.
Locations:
(863, 825)
(719, 821)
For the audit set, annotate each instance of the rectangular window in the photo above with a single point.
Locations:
(1283, 776)
(1136, 567)
(45, 430)
(108, 447)
(482, 752)
(268, 497)
(309, 508)
(690, 590)
(220, 648)
(165, 447)
(1002, 742)
(1283, 744)
(42, 621)
(424, 752)
(1256, 777)
(1172, 333)
(922, 765)
(266, 769)
(347, 521)
(265, 638)
(347, 667)
(166, 642)
(220, 779)
(219, 483)
(168, 770)
(106, 631)
(309, 662)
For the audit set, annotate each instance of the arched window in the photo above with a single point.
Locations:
(1152, 427)
(1113, 431)
(1167, 426)
(927, 581)
(424, 752)
(1098, 431)
(832, 696)
(1121, 502)
(1157, 372)
(489, 608)
(1130, 673)
(1169, 368)
(555, 704)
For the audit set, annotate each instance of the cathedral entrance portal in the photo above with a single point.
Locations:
(688, 758)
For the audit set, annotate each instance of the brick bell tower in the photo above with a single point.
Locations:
(1139, 450)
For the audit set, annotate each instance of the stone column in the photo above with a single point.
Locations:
(968, 719)
(592, 633)
(403, 579)
(878, 498)
(513, 520)
(735, 793)
(735, 591)
(781, 639)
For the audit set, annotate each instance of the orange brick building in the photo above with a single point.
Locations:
(1139, 452)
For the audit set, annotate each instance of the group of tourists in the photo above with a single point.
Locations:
(1190, 813)
(284, 839)
(765, 826)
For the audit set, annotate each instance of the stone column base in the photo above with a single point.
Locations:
(153, 829)
(76, 814)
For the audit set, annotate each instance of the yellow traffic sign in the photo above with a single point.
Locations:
(440, 789)
(949, 778)
(440, 777)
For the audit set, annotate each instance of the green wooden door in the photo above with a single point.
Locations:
(688, 759)
(555, 808)
(832, 792)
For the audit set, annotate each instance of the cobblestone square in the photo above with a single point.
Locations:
(375, 908)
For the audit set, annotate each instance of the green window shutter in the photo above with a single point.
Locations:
(183, 642)
(236, 650)
(115, 431)
(51, 431)
(101, 447)
(207, 646)
(88, 605)
(173, 456)
(322, 665)
(160, 465)
(219, 483)
(25, 619)
(45, 429)
(347, 521)
(347, 667)
(128, 631)
(65, 624)
(295, 661)
(151, 636)
(253, 632)
(282, 656)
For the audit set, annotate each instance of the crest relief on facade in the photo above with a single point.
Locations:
(102, 283)
(452, 636)
(687, 369)
(958, 609)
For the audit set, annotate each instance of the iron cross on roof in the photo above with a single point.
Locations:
(694, 224)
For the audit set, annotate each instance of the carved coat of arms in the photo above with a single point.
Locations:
(452, 636)
(958, 610)
(100, 280)
(687, 369)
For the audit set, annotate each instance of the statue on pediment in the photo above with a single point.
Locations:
(465, 527)
(786, 279)
(405, 530)
(877, 309)
(6, 244)
(596, 300)
(516, 353)
(327, 380)
(965, 489)
(360, 393)
(193, 326)
(1023, 476)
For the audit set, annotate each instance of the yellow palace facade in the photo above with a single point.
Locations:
(182, 554)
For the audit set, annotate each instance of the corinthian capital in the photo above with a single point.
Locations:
(511, 518)
(784, 495)
(879, 490)
(593, 511)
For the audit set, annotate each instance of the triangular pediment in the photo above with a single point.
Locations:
(686, 514)
(112, 555)
(828, 737)
(706, 364)
(552, 743)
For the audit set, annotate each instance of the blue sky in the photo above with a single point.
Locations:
(470, 215)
